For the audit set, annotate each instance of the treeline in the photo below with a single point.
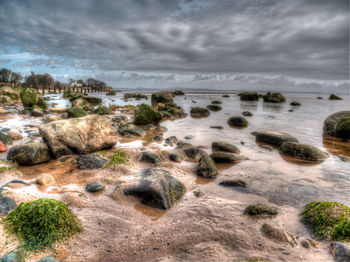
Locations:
(47, 82)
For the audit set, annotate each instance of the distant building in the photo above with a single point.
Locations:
(76, 84)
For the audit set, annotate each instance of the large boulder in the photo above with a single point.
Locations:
(302, 151)
(224, 146)
(145, 114)
(158, 189)
(79, 135)
(29, 154)
(163, 97)
(274, 98)
(249, 96)
(199, 112)
(206, 167)
(338, 125)
(274, 138)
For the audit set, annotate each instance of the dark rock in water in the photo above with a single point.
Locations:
(90, 161)
(158, 189)
(94, 187)
(299, 190)
(145, 114)
(199, 112)
(274, 98)
(149, 157)
(260, 210)
(171, 140)
(6, 205)
(182, 145)
(274, 138)
(14, 256)
(290, 110)
(163, 97)
(47, 259)
(176, 157)
(295, 103)
(247, 113)
(171, 110)
(178, 93)
(334, 97)
(206, 167)
(189, 137)
(340, 251)
(302, 151)
(238, 121)
(224, 146)
(157, 138)
(130, 129)
(161, 129)
(216, 102)
(6, 139)
(29, 154)
(233, 183)
(225, 96)
(17, 181)
(214, 108)
(225, 157)
(193, 152)
(249, 96)
(194, 102)
(338, 125)
(319, 97)
(216, 127)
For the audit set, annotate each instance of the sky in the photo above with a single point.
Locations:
(263, 45)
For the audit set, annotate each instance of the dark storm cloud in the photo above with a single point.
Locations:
(299, 38)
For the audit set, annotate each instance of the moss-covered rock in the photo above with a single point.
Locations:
(274, 98)
(6, 139)
(145, 114)
(237, 121)
(225, 157)
(76, 112)
(40, 223)
(10, 95)
(249, 96)
(81, 102)
(178, 93)
(29, 154)
(111, 93)
(338, 125)
(163, 97)
(158, 189)
(198, 112)
(260, 210)
(214, 108)
(206, 167)
(37, 111)
(138, 96)
(93, 100)
(328, 220)
(31, 98)
(171, 110)
(70, 93)
(302, 151)
(334, 97)
(103, 110)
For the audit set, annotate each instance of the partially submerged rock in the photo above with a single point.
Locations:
(158, 189)
(206, 167)
(274, 98)
(171, 110)
(6, 205)
(303, 151)
(15, 134)
(247, 113)
(261, 210)
(249, 96)
(90, 161)
(233, 183)
(178, 93)
(176, 157)
(225, 157)
(295, 103)
(29, 154)
(79, 135)
(224, 146)
(193, 152)
(31, 98)
(145, 114)
(237, 121)
(274, 138)
(214, 108)
(131, 130)
(338, 125)
(163, 97)
(199, 112)
(278, 235)
(334, 97)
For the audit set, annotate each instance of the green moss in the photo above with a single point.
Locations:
(93, 100)
(41, 222)
(145, 114)
(328, 219)
(138, 96)
(31, 98)
(111, 93)
(118, 157)
(76, 112)
(6, 139)
(6, 168)
(41, 103)
(103, 110)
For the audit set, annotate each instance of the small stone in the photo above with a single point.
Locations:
(260, 210)
(295, 103)
(176, 157)
(247, 113)
(233, 183)
(206, 167)
(45, 180)
(158, 138)
(15, 134)
(171, 140)
(237, 122)
(95, 187)
(224, 146)
(149, 157)
(6, 205)
(90, 161)
(198, 193)
(193, 152)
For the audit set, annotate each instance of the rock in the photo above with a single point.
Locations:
(206, 167)
(189, 137)
(274, 138)
(295, 103)
(6, 139)
(103, 110)
(76, 112)
(133, 95)
(111, 93)
(233, 183)
(224, 146)
(45, 180)
(247, 113)
(149, 157)
(171, 110)
(29, 154)
(120, 119)
(150, 127)
(53, 118)
(94, 187)
(15, 134)
(82, 103)
(47, 259)
(249, 96)
(225, 96)
(161, 129)
(90, 161)
(178, 93)
(193, 152)
(58, 110)
(37, 112)
(261, 210)
(237, 121)
(199, 112)
(277, 235)
(214, 108)
(145, 114)
(14, 256)
(274, 98)
(334, 97)
(338, 125)
(31, 98)
(130, 129)
(216, 102)
(2, 111)
(79, 135)
(198, 193)
(6, 205)
(216, 127)
(171, 140)
(163, 97)
(225, 157)
(158, 189)
(302, 151)
(93, 100)
(182, 145)
(176, 157)
(342, 158)
(3, 147)
(158, 138)
(340, 251)
(319, 97)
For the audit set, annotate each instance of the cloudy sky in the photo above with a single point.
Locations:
(286, 45)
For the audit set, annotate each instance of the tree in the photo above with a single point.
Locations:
(45, 81)
(96, 84)
(5, 75)
(15, 78)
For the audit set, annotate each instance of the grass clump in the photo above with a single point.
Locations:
(328, 220)
(6, 168)
(118, 157)
(41, 222)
